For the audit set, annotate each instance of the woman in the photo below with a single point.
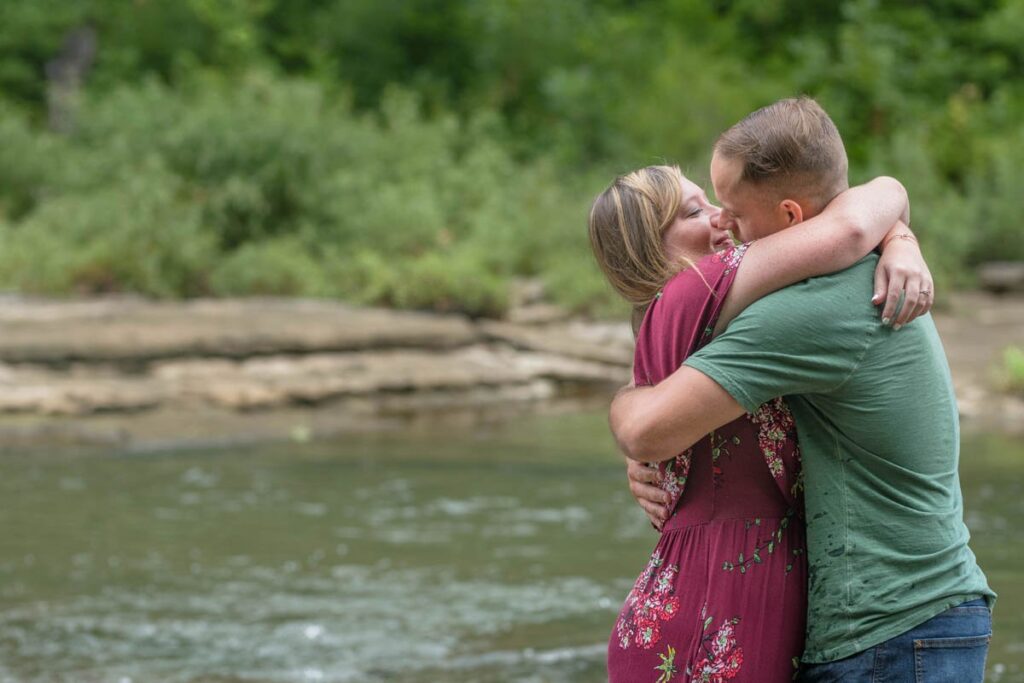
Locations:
(723, 596)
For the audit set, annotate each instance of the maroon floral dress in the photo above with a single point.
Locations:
(724, 595)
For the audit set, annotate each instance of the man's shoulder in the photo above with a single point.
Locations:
(807, 296)
(833, 310)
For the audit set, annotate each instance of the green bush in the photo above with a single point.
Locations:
(27, 170)
(994, 189)
(443, 281)
(139, 235)
(1012, 371)
(942, 217)
(278, 267)
(271, 186)
(450, 282)
(424, 154)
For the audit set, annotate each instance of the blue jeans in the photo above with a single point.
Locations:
(948, 648)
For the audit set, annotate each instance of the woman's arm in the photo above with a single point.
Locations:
(851, 225)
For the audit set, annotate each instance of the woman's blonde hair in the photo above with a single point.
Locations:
(626, 225)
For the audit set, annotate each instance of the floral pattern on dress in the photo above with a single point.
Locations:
(746, 560)
(722, 659)
(651, 602)
(668, 666)
(673, 476)
(720, 446)
(732, 256)
(662, 634)
(775, 426)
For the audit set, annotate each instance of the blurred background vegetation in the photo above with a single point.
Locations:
(423, 154)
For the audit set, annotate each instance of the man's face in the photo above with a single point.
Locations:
(748, 211)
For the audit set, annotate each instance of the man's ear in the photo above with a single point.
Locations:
(791, 212)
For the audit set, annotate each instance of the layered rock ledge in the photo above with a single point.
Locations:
(128, 372)
(102, 370)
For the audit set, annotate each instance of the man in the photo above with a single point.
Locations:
(893, 586)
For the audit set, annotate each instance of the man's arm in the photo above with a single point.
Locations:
(657, 423)
(789, 342)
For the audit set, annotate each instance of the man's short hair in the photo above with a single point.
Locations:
(791, 147)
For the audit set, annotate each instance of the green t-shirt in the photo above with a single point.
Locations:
(879, 432)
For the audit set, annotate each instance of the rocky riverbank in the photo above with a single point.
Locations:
(130, 373)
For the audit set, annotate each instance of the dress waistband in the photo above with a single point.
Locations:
(680, 520)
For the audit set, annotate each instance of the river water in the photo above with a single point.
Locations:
(497, 553)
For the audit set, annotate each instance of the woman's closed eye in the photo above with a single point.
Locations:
(695, 212)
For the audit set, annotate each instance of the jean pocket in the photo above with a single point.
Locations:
(951, 660)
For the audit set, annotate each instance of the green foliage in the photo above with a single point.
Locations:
(138, 234)
(941, 215)
(424, 154)
(279, 267)
(267, 186)
(1012, 371)
(444, 281)
(30, 35)
(26, 168)
(995, 190)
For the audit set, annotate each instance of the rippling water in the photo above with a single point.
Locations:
(492, 554)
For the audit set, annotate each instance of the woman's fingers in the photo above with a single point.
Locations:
(881, 285)
(923, 306)
(927, 293)
(918, 299)
(911, 298)
(897, 281)
(903, 280)
(924, 301)
(927, 298)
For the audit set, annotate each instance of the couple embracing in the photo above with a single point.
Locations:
(796, 446)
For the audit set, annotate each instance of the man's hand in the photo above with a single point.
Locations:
(643, 484)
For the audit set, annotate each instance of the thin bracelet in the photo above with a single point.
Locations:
(898, 236)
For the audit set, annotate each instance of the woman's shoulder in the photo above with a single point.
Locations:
(682, 316)
(728, 259)
(706, 275)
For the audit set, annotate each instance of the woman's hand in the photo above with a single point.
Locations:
(643, 484)
(902, 273)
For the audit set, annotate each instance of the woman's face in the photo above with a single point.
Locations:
(694, 233)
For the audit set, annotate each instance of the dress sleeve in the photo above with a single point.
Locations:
(683, 316)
